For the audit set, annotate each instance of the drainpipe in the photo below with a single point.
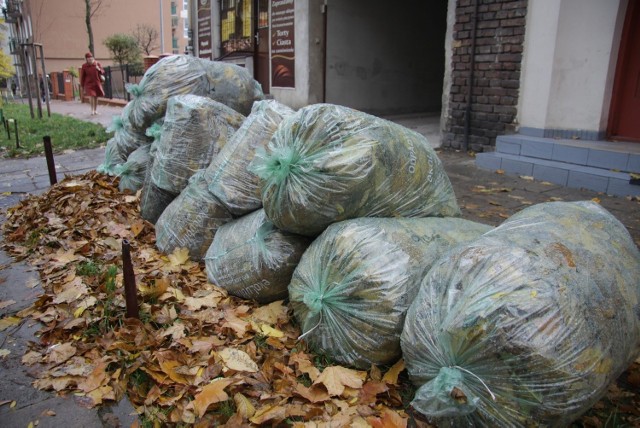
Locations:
(467, 116)
(161, 28)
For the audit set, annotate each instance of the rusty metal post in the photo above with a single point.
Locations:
(6, 126)
(48, 153)
(130, 292)
(15, 124)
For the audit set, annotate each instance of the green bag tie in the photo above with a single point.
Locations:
(133, 89)
(448, 395)
(281, 164)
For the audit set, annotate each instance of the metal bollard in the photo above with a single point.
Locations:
(130, 292)
(51, 166)
(15, 124)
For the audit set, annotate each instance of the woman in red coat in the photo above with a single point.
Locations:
(91, 78)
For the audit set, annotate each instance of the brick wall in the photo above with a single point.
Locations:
(496, 80)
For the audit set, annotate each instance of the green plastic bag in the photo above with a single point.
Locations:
(250, 258)
(232, 182)
(328, 163)
(528, 324)
(354, 284)
(194, 131)
(184, 74)
(132, 173)
(191, 219)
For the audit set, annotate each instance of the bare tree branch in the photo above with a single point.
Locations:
(146, 36)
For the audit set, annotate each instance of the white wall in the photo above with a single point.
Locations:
(309, 43)
(568, 65)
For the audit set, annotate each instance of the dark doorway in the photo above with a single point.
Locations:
(261, 58)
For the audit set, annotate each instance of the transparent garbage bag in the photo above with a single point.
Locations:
(133, 172)
(250, 258)
(528, 324)
(328, 163)
(354, 284)
(195, 129)
(184, 74)
(191, 220)
(112, 158)
(232, 182)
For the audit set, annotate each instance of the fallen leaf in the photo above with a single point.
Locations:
(210, 394)
(244, 406)
(391, 376)
(31, 358)
(267, 330)
(236, 359)
(179, 257)
(61, 353)
(335, 378)
(137, 227)
(156, 290)
(7, 322)
(49, 413)
(5, 303)
(269, 413)
(4, 352)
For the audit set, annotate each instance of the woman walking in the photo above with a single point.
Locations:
(91, 78)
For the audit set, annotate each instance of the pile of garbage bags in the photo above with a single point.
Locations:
(353, 220)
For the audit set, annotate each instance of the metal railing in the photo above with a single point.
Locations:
(116, 78)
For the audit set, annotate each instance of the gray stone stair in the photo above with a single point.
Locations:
(601, 166)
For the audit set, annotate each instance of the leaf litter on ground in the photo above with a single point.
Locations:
(196, 355)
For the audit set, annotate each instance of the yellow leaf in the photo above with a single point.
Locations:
(271, 313)
(210, 394)
(391, 377)
(169, 367)
(267, 413)
(236, 359)
(13, 404)
(267, 330)
(335, 378)
(157, 289)
(7, 322)
(4, 352)
(244, 406)
(179, 256)
(137, 227)
(209, 301)
(596, 200)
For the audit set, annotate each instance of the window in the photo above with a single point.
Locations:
(185, 4)
(236, 31)
(186, 28)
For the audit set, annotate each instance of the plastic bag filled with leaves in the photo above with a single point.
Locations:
(231, 180)
(127, 137)
(250, 258)
(328, 163)
(184, 74)
(528, 324)
(153, 200)
(353, 286)
(112, 158)
(194, 131)
(191, 220)
(133, 172)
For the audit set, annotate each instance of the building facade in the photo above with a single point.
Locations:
(60, 27)
(561, 69)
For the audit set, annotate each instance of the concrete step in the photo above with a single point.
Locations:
(616, 156)
(567, 174)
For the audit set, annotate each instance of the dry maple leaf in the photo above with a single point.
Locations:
(391, 376)
(210, 394)
(179, 257)
(238, 360)
(335, 378)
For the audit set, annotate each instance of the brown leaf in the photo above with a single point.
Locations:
(314, 394)
(238, 360)
(210, 394)
(391, 376)
(269, 413)
(61, 353)
(335, 378)
(244, 406)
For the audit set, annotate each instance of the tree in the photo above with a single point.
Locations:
(6, 66)
(124, 49)
(146, 36)
(92, 7)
